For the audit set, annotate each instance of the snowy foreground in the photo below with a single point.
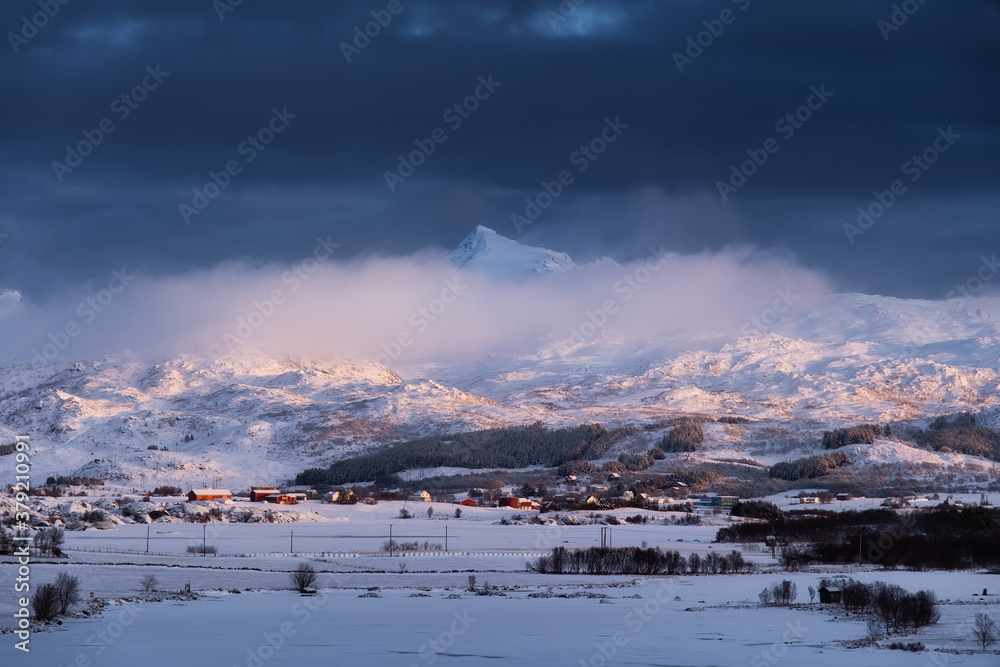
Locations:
(413, 609)
(639, 622)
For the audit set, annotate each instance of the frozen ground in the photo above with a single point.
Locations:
(424, 598)
(713, 623)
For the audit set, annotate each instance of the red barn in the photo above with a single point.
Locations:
(209, 494)
(259, 493)
(517, 503)
(469, 502)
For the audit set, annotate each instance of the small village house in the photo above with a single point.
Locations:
(422, 497)
(347, 497)
(829, 595)
(209, 494)
(281, 499)
(258, 493)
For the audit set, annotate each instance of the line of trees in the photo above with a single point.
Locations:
(938, 538)
(853, 435)
(782, 593)
(508, 447)
(962, 435)
(897, 609)
(683, 438)
(809, 467)
(639, 561)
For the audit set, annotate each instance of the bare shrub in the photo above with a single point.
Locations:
(149, 583)
(45, 602)
(984, 630)
(303, 577)
(68, 589)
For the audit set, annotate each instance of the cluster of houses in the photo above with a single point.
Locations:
(824, 498)
(572, 494)
(271, 494)
(258, 494)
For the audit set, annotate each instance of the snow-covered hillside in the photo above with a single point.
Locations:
(241, 419)
(255, 417)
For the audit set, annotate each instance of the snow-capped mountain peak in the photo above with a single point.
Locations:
(501, 257)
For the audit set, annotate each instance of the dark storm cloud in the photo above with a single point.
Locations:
(559, 80)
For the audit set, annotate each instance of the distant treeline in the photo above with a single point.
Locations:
(853, 435)
(961, 435)
(938, 538)
(809, 467)
(511, 447)
(638, 560)
(683, 438)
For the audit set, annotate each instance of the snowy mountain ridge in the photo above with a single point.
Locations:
(253, 417)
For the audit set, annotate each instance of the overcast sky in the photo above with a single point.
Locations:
(881, 93)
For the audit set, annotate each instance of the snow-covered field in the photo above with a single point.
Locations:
(417, 609)
(669, 621)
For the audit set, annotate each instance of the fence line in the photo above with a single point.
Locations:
(315, 554)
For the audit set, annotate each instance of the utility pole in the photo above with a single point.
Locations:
(147, 538)
(203, 548)
(291, 541)
(446, 538)
(390, 540)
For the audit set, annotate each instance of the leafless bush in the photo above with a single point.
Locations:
(201, 549)
(303, 577)
(149, 583)
(45, 602)
(68, 589)
(984, 630)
